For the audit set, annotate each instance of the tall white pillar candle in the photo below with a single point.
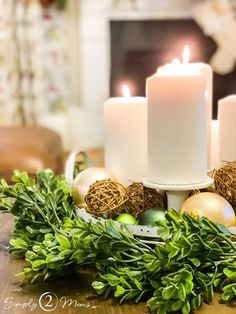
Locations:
(227, 128)
(177, 125)
(126, 138)
(215, 161)
(203, 69)
(206, 70)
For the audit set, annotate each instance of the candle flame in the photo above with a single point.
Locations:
(186, 54)
(126, 91)
(176, 61)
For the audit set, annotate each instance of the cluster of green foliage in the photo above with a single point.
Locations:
(195, 259)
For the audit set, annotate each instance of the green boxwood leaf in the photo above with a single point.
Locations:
(186, 308)
(229, 293)
(182, 292)
(63, 241)
(177, 305)
(138, 284)
(196, 302)
(125, 283)
(195, 261)
(169, 293)
(230, 272)
(99, 286)
(153, 303)
(38, 264)
(119, 291)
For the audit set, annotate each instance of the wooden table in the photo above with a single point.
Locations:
(68, 295)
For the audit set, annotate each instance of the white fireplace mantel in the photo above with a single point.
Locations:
(89, 49)
(94, 38)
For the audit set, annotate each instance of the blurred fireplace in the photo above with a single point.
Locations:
(139, 47)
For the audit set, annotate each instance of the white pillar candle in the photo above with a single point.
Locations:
(177, 125)
(215, 161)
(227, 128)
(126, 137)
(206, 70)
(202, 69)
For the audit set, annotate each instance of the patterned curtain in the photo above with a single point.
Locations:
(33, 61)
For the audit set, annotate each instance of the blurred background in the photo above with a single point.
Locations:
(61, 59)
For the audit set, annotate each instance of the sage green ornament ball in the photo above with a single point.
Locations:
(127, 219)
(150, 216)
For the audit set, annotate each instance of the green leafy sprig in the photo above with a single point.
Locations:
(195, 259)
(39, 206)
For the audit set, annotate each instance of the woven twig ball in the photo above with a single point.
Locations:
(225, 182)
(193, 192)
(142, 198)
(106, 197)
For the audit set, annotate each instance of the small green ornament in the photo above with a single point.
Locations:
(150, 216)
(127, 219)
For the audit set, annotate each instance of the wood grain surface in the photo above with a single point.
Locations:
(68, 295)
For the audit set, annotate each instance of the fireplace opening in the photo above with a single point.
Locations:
(138, 48)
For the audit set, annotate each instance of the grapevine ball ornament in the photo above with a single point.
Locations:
(106, 197)
(212, 206)
(142, 198)
(83, 181)
(225, 182)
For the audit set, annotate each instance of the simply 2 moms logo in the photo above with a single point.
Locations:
(47, 302)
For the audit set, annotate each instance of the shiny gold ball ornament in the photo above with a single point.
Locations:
(225, 182)
(106, 197)
(212, 206)
(83, 181)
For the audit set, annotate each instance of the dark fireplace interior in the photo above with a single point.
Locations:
(139, 47)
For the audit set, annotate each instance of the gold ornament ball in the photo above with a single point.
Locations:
(83, 181)
(212, 206)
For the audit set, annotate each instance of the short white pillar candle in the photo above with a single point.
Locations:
(126, 137)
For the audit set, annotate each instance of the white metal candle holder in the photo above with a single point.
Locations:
(177, 193)
(146, 234)
(149, 234)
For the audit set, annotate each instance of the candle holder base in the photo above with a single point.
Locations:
(177, 193)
